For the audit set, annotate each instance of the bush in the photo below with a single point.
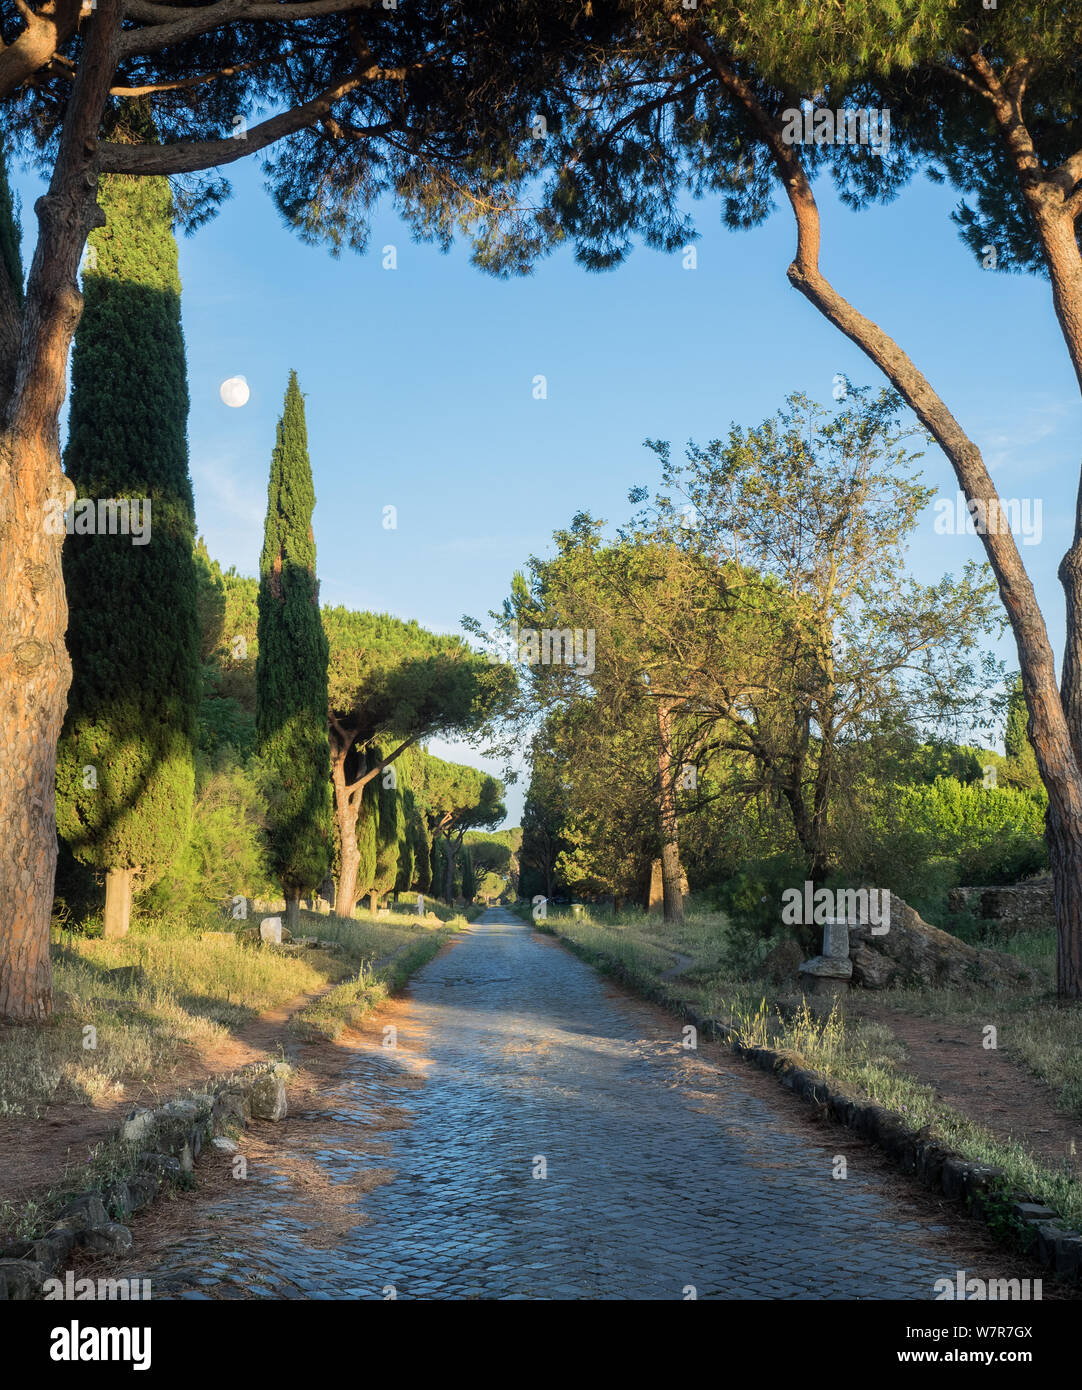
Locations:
(752, 899)
(224, 856)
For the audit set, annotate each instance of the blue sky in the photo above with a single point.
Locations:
(419, 386)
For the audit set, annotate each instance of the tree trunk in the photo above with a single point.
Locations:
(293, 912)
(35, 671)
(671, 872)
(373, 902)
(449, 872)
(1065, 851)
(118, 886)
(349, 854)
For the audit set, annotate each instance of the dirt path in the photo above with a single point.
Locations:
(986, 1084)
(36, 1153)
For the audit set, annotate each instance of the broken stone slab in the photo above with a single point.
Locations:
(1069, 1256)
(185, 1110)
(914, 952)
(142, 1189)
(827, 967)
(228, 1146)
(54, 1248)
(1032, 1211)
(232, 1108)
(117, 1199)
(270, 930)
(267, 1097)
(836, 939)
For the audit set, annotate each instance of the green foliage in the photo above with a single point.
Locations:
(133, 627)
(225, 856)
(1021, 769)
(291, 667)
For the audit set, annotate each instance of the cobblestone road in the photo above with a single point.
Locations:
(661, 1170)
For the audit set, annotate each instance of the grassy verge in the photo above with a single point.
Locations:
(125, 1009)
(861, 1055)
(346, 1004)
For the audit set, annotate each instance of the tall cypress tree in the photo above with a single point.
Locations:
(291, 669)
(125, 770)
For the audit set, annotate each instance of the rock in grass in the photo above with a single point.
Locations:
(137, 1124)
(267, 1096)
(83, 1212)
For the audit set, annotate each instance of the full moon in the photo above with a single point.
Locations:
(235, 391)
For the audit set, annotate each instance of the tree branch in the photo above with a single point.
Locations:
(189, 156)
(167, 24)
(36, 45)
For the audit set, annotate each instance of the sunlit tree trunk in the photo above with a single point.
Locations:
(34, 668)
(671, 871)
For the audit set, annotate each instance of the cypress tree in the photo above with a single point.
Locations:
(125, 772)
(469, 878)
(1022, 770)
(291, 668)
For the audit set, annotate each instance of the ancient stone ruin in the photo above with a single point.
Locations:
(909, 952)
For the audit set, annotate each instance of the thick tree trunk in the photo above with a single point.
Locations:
(293, 912)
(34, 668)
(672, 875)
(118, 887)
(345, 813)
(1065, 851)
(373, 902)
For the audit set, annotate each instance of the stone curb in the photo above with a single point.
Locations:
(162, 1145)
(939, 1168)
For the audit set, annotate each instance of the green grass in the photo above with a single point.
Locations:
(189, 988)
(345, 1005)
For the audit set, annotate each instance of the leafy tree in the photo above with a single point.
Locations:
(392, 684)
(821, 503)
(456, 798)
(677, 649)
(125, 772)
(291, 670)
(494, 856)
(544, 814)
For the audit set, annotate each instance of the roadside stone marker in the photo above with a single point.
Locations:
(270, 929)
